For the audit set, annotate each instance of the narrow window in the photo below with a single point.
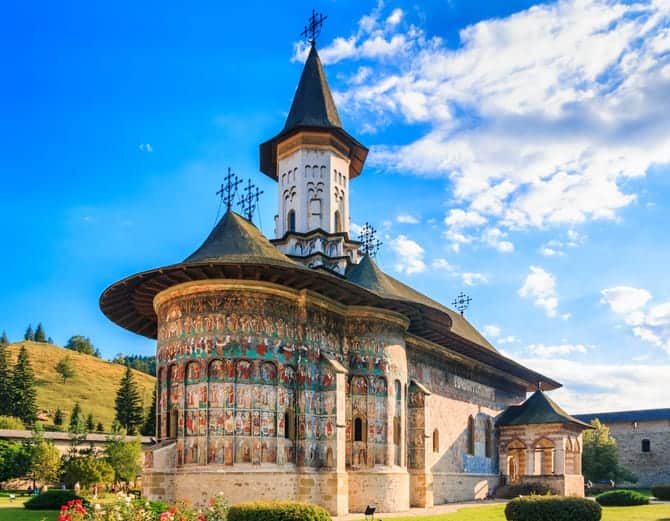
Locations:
(489, 439)
(646, 446)
(287, 425)
(436, 441)
(358, 429)
(396, 430)
(471, 435)
(338, 223)
(291, 221)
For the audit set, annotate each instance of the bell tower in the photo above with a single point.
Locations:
(313, 159)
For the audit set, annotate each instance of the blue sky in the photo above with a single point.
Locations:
(519, 152)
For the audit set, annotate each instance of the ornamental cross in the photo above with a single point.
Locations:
(368, 236)
(461, 302)
(228, 190)
(313, 28)
(249, 200)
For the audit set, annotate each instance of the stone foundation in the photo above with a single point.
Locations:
(388, 490)
(452, 487)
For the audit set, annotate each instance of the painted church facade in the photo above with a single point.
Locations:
(297, 369)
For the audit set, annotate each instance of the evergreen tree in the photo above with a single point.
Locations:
(29, 334)
(24, 395)
(149, 427)
(82, 344)
(6, 394)
(100, 428)
(76, 418)
(64, 368)
(50, 340)
(40, 335)
(58, 417)
(4, 340)
(128, 404)
(90, 424)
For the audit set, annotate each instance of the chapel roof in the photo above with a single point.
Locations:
(235, 238)
(537, 409)
(626, 416)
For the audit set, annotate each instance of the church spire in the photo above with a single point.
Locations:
(313, 104)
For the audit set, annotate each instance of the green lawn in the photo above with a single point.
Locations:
(496, 513)
(14, 511)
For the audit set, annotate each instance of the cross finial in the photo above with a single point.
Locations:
(313, 28)
(461, 302)
(368, 236)
(249, 200)
(228, 189)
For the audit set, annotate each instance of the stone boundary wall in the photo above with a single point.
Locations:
(389, 491)
(452, 486)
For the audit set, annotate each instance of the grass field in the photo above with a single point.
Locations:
(93, 386)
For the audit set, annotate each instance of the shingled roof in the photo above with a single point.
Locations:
(627, 416)
(234, 239)
(313, 104)
(537, 409)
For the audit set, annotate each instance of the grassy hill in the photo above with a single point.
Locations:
(93, 386)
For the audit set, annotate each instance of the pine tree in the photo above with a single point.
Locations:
(128, 404)
(76, 418)
(40, 335)
(100, 428)
(90, 424)
(29, 334)
(65, 369)
(58, 417)
(4, 340)
(149, 427)
(6, 394)
(24, 395)
(50, 340)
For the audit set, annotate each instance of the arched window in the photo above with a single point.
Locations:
(544, 456)
(290, 221)
(471, 436)
(488, 448)
(360, 429)
(436, 441)
(646, 445)
(338, 222)
(396, 430)
(173, 418)
(287, 425)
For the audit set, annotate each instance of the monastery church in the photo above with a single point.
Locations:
(295, 368)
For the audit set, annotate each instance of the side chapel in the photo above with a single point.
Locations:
(295, 368)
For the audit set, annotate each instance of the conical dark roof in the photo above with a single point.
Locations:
(368, 275)
(236, 239)
(313, 104)
(539, 408)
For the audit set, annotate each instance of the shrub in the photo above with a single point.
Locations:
(155, 507)
(554, 508)
(11, 422)
(277, 511)
(522, 489)
(51, 500)
(621, 498)
(661, 492)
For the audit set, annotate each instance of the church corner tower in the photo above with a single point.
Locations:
(313, 159)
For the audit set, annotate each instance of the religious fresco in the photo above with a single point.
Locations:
(367, 402)
(365, 344)
(416, 426)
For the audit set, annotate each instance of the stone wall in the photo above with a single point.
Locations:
(452, 486)
(388, 490)
(651, 467)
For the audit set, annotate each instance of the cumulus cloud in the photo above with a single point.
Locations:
(469, 278)
(408, 255)
(540, 286)
(538, 119)
(650, 323)
(549, 351)
(405, 218)
(492, 331)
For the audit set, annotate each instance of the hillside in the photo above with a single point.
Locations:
(94, 384)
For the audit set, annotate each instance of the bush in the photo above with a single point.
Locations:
(621, 498)
(277, 511)
(661, 492)
(554, 508)
(522, 489)
(155, 507)
(51, 500)
(11, 422)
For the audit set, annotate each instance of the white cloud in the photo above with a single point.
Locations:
(408, 255)
(650, 324)
(145, 147)
(509, 339)
(470, 278)
(395, 17)
(540, 285)
(494, 238)
(538, 119)
(407, 219)
(492, 331)
(549, 351)
(603, 387)
(549, 252)
(460, 219)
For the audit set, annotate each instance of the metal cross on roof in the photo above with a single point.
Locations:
(228, 190)
(368, 236)
(249, 200)
(461, 302)
(313, 28)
